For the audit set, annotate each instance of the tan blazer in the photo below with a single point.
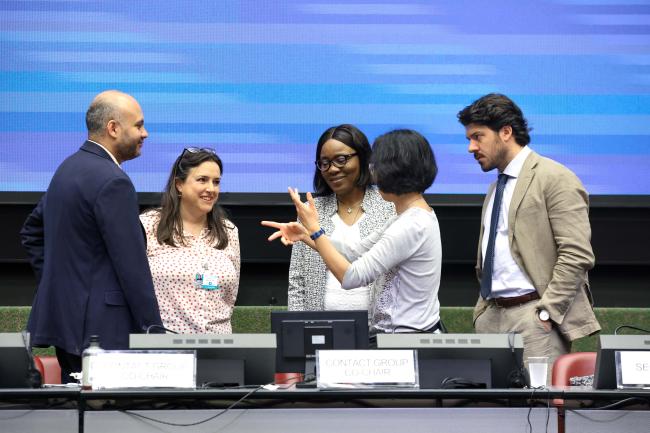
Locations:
(550, 239)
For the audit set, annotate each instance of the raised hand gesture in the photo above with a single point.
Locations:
(289, 233)
(307, 213)
(292, 232)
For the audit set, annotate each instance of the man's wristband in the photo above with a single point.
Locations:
(317, 234)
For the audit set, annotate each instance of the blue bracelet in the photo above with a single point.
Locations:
(317, 234)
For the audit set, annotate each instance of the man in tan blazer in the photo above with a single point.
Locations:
(534, 282)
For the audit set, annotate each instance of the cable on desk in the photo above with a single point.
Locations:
(22, 403)
(530, 408)
(137, 415)
(620, 403)
(308, 377)
(614, 405)
(20, 415)
(133, 414)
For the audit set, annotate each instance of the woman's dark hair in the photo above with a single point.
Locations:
(403, 162)
(171, 223)
(352, 137)
(496, 111)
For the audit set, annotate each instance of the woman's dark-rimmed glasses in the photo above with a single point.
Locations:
(338, 161)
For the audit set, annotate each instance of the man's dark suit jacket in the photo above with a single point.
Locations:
(85, 243)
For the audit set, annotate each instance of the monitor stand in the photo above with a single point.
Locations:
(309, 379)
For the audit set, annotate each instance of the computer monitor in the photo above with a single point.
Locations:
(465, 360)
(16, 368)
(222, 360)
(301, 333)
(605, 374)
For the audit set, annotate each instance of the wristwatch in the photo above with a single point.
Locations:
(543, 315)
(317, 234)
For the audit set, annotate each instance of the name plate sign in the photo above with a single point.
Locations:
(367, 368)
(633, 369)
(143, 369)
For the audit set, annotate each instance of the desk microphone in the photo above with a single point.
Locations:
(33, 377)
(150, 327)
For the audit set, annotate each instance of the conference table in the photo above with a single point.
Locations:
(315, 411)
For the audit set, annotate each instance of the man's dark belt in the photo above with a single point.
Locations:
(515, 300)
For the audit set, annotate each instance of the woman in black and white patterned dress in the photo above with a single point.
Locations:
(349, 209)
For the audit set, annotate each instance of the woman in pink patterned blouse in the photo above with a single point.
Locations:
(193, 248)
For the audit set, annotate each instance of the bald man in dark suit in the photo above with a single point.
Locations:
(86, 245)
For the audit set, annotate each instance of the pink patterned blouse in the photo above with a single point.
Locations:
(185, 308)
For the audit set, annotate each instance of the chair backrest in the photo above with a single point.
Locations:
(49, 367)
(572, 364)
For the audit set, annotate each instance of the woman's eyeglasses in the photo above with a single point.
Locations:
(339, 161)
(192, 150)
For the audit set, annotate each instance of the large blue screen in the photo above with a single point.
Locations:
(260, 80)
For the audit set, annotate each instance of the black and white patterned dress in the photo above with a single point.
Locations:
(307, 271)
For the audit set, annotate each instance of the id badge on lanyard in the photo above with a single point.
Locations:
(206, 280)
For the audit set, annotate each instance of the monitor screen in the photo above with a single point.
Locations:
(463, 360)
(16, 370)
(301, 333)
(221, 360)
(260, 81)
(605, 374)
